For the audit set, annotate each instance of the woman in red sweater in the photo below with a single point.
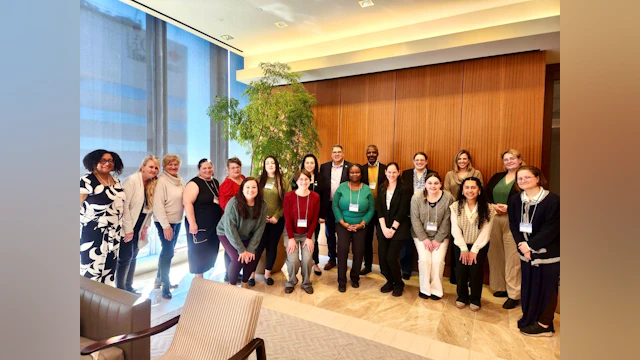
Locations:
(228, 189)
(301, 210)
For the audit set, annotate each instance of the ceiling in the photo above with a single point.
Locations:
(333, 38)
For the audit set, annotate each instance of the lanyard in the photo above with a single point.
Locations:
(357, 201)
(524, 216)
(211, 188)
(306, 215)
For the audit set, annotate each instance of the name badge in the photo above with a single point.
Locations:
(526, 228)
(372, 185)
(432, 226)
(302, 223)
(334, 181)
(215, 200)
(353, 207)
(268, 186)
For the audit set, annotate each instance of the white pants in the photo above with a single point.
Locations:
(431, 267)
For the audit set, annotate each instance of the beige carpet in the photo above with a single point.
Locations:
(287, 338)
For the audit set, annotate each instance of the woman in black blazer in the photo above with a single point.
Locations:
(392, 207)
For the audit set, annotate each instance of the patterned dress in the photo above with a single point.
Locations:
(101, 228)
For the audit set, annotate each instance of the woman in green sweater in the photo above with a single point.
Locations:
(273, 188)
(240, 229)
(353, 207)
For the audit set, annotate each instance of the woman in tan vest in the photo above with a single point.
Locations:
(471, 220)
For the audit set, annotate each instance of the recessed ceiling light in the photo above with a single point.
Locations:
(227, 37)
(366, 3)
(281, 24)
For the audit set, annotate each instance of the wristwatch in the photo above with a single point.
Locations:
(394, 229)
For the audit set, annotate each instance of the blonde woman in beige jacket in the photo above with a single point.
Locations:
(139, 189)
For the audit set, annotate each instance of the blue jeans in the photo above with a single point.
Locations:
(166, 254)
(407, 256)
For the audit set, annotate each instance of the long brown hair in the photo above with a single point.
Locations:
(243, 208)
(484, 213)
(278, 176)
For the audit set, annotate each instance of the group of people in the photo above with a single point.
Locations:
(411, 212)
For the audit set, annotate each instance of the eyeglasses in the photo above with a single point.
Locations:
(526, 178)
(105, 161)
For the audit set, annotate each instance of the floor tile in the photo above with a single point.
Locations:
(493, 313)
(458, 353)
(410, 342)
(455, 330)
(493, 339)
(450, 308)
(421, 321)
(385, 335)
(362, 328)
(439, 350)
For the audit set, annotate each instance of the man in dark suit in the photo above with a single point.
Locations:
(334, 172)
(413, 179)
(372, 175)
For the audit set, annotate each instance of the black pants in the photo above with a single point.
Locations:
(127, 258)
(346, 239)
(389, 256)
(368, 241)
(316, 252)
(269, 242)
(407, 257)
(330, 232)
(452, 261)
(470, 274)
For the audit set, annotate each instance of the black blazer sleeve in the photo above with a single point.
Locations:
(407, 179)
(323, 190)
(381, 176)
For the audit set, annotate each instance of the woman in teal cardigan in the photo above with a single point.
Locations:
(353, 207)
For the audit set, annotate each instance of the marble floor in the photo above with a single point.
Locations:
(435, 329)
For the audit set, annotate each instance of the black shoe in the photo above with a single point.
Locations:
(500, 294)
(330, 265)
(308, 290)
(435, 297)
(424, 296)
(406, 276)
(386, 288)
(252, 282)
(342, 288)
(317, 272)
(365, 271)
(355, 284)
(269, 281)
(288, 290)
(536, 330)
(397, 292)
(510, 304)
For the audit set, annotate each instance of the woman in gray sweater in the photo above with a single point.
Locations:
(430, 223)
(240, 229)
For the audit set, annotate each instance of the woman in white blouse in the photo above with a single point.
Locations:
(471, 220)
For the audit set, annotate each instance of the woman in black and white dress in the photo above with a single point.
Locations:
(101, 210)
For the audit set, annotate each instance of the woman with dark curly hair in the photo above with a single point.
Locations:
(101, 210)
(471, 220)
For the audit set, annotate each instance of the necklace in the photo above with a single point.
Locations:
(100, 178)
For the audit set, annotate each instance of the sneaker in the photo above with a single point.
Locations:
(355, 284)
(500, 294)
(269, 281)
(460, 303)
(342, 288)
(288, 289)
(406, 276)
(424, 296)
(510, 304)
(166, 293)
(365, 271)
(474, 307)
(308, 290)
(252, 282)
(536, 330)
(435, 297)
(330, 265)
(397, 292)
(386, 288)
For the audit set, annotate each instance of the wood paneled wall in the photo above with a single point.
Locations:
(484, 106)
